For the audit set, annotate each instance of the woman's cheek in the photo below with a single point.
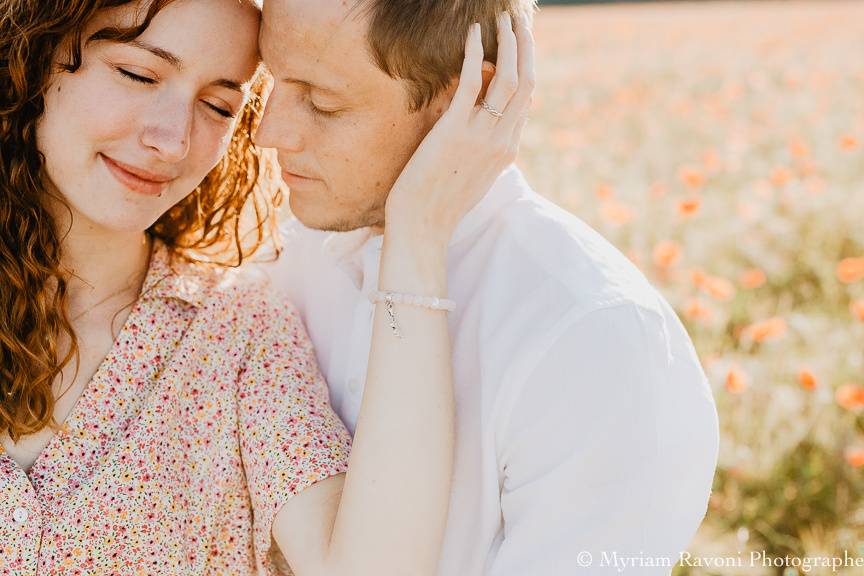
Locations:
(209, 145)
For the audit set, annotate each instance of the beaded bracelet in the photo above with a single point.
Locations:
(391, 298)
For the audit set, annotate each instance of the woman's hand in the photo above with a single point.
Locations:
(466, 150)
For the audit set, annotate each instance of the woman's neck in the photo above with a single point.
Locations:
(104, 264)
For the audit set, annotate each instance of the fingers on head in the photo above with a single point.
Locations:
(471, 78)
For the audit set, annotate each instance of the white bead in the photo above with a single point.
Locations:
(432, 302)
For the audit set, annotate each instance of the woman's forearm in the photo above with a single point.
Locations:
(394, 503)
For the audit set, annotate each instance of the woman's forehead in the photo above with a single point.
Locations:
(218, 34)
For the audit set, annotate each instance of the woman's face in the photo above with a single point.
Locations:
(138, 126)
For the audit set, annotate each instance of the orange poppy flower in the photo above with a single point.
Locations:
(697, 310)
(666, 254)
(698, 277)
(850, 396)
(781, 176)
(691, 177)
(737, 381)
(770, 329)
(752, 279)
(848, 143)
(858, 309)
(615, 213)
(604, 191)
(798, 148)
(689, 207)
(850, 270)
(807, 379)
(711, 160)
(719, 288)
(855, 457)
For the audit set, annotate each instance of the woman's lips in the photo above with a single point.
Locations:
(136, 179)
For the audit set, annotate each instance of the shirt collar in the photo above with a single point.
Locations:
(170, 276)
(357, 253)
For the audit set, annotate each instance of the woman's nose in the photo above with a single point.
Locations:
(168, 133)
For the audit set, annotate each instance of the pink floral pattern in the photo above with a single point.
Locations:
(206, 416)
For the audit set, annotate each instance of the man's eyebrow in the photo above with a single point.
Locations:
(172, 59)
(229, 84)
(307, 84)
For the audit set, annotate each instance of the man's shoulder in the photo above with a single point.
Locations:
(535, 246)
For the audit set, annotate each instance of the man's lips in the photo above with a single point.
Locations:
(138, 179)
(297, 175)
(295, 178)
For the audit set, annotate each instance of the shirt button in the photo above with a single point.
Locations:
(20, 515)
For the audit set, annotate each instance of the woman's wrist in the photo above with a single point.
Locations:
(413, 266)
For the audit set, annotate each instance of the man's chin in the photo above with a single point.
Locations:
(327, 221)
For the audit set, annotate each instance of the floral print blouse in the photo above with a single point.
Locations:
(206, 416)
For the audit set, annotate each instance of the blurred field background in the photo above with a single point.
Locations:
(721, 146)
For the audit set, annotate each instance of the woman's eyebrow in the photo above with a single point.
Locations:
(177, 63)
(172, 59)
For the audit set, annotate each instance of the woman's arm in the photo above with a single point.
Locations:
(388, 515)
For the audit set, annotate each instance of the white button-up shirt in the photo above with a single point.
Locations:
(587, 434)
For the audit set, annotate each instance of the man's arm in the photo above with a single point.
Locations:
(609, 451)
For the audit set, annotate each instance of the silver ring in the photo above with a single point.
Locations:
(491, 109)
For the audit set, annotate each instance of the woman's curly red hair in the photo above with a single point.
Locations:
(33, 282)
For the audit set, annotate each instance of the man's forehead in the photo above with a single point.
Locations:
(319, 22)
(320, 43)
(310, 38)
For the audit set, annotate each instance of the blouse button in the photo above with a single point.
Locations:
(20, 515)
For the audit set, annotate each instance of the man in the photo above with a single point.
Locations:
(587, 434)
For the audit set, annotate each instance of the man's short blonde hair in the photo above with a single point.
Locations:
(423, 41)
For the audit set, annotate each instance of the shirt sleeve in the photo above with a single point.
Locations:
(609, 451)
(290, 438)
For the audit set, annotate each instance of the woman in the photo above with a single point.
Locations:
(157, 416)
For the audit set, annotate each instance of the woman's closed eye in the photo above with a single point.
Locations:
(147, 81)
(135, 77)
(219, 110)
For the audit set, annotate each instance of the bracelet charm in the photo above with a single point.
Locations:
(391, 298)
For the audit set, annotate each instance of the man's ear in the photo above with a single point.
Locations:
(488, 72)
(442, 101)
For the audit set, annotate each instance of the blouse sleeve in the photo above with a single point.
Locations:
(290, 438)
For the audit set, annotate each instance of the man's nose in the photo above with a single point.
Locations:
(278, 129)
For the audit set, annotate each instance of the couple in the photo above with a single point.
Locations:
(518, 393)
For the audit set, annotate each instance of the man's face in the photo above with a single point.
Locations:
(342, 127)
